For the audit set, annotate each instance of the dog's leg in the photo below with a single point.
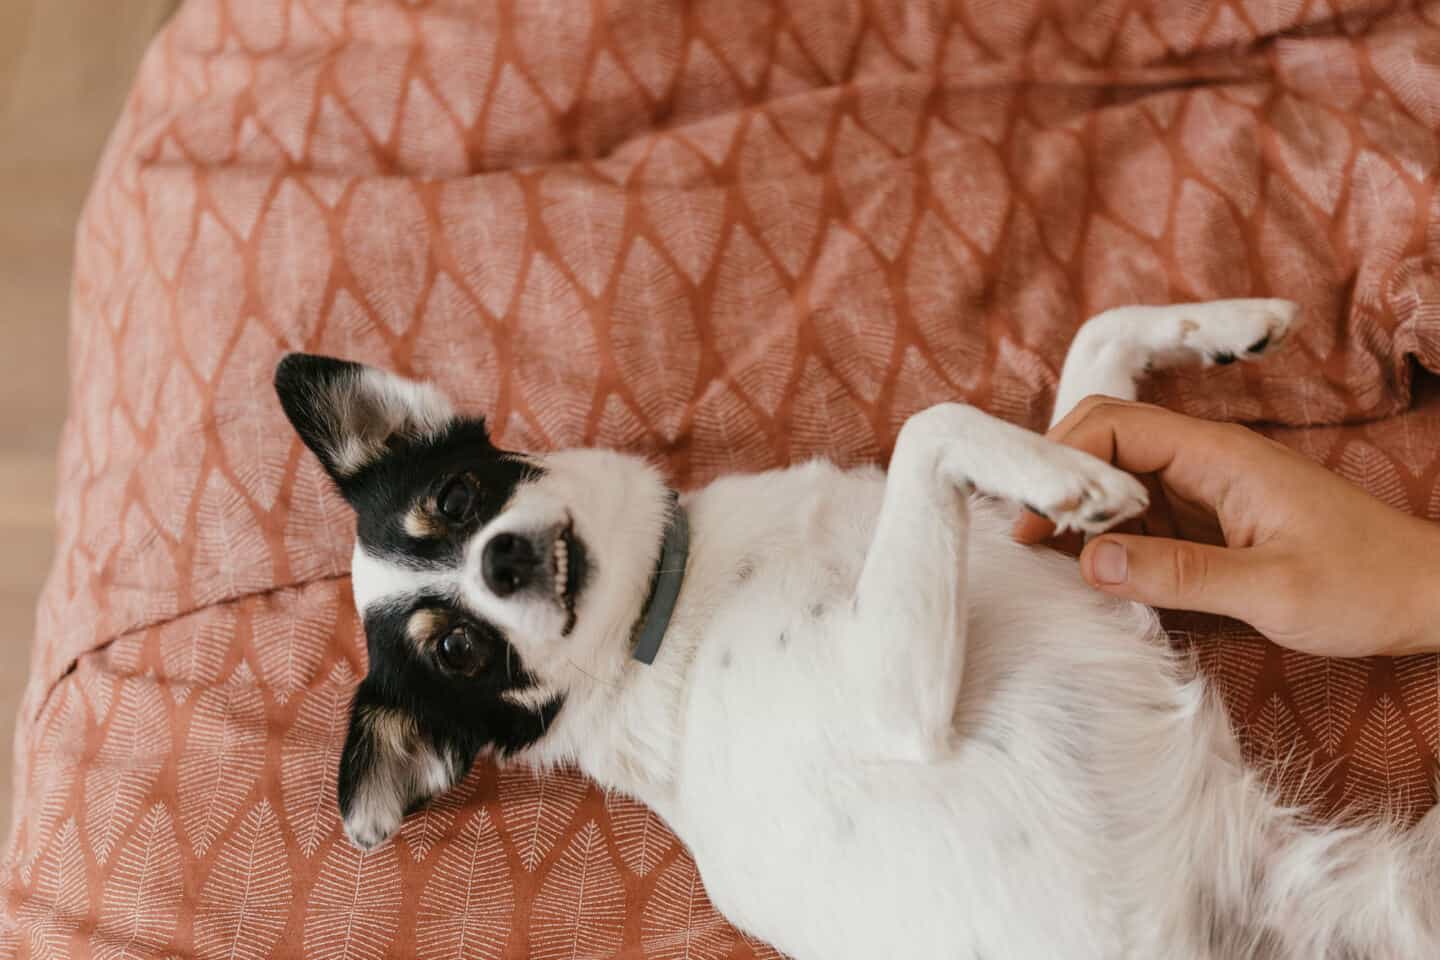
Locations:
(910, 602)
(1114, 349)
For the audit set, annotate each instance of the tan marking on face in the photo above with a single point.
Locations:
(423, 625)
(393, 732)
(422, 524)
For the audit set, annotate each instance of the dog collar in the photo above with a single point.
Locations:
(664, 585)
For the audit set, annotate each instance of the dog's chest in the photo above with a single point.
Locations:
(778, 564)
(779, 571)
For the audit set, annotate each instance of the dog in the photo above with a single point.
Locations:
(882, 727)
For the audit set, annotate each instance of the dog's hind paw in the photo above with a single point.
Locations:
(1223, 331)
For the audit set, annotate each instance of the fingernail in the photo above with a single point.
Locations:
(1110, 565)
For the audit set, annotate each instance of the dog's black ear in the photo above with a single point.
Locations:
(389, 766)
(348, 413)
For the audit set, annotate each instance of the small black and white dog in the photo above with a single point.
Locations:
(882, 727)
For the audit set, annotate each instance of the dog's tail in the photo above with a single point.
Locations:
(1361, 891)
(1268, 882)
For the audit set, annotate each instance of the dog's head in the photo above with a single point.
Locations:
(490, 583)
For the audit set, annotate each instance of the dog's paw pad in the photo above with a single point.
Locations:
(1222, 358)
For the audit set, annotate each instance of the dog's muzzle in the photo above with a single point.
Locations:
(549, 564)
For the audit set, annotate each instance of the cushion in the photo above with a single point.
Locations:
(725, 235)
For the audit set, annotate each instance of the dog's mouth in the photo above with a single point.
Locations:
(569, 567)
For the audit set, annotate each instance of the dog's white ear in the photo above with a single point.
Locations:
(388, 768)
(348, 413)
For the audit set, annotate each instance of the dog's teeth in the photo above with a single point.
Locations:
(562, 566)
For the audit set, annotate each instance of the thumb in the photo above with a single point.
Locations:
(1174, 574)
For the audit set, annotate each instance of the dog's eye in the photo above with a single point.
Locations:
(455, 500)
(460, 653)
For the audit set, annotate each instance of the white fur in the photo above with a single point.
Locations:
(377, 404)
(374, 579)
(1115, 348)
(884, 729)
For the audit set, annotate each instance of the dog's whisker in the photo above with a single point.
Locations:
(603, 683)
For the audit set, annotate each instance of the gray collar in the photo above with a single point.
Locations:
(664, 585)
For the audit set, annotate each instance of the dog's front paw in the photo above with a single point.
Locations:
(1076, 491)
(976, 451)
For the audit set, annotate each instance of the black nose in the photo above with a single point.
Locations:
(508, 564)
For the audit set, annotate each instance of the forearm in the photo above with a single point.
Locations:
(1421, 631)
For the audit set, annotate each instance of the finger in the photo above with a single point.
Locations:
(1196, 458)
(1176, 574)
(1032, 528)
(1080, 429)
(1135, 437)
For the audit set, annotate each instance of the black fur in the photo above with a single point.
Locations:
(416, 682)
(412, 472)
(304, 382)
(460, 715)
(457, 726)
(408, 469)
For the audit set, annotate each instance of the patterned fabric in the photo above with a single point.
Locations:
(727, 234)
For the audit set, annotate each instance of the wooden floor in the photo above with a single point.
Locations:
(65, 66)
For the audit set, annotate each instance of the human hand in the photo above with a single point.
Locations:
(1241, 526)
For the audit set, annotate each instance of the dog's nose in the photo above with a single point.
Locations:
(508, 564)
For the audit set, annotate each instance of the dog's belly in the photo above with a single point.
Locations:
(809, 833)
(892, 861)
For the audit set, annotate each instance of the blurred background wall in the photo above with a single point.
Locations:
(65, 66)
